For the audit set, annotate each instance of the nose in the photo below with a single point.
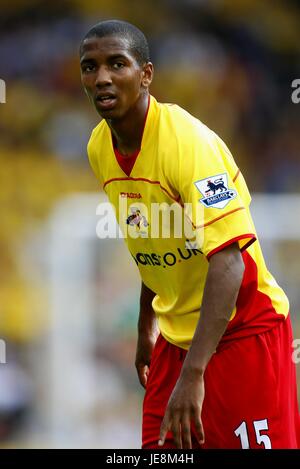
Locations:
(103, 77)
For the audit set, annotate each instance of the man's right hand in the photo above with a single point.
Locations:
(145, 345)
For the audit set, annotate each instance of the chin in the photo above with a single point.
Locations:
(111, 114)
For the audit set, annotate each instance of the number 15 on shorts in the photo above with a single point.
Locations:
(259, 426)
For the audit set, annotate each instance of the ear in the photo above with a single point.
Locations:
(147, 74)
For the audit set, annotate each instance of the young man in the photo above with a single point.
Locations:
(220, 374)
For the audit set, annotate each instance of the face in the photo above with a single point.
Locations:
(112, 77)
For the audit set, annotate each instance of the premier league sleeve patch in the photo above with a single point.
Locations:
(215, 191)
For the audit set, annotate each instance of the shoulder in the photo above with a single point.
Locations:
(96, 135)
(186, 127)
(95, 147)
(193, 145)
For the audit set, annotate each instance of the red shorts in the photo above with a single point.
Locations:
(250, 393)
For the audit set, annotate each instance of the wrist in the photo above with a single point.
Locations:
(190, 371)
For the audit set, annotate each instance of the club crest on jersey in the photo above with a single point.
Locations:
(138, 221)
(215, 191)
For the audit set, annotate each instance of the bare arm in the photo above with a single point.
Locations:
(147, 334)
(223, 282)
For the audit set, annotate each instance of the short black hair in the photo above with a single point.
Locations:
(138, 43)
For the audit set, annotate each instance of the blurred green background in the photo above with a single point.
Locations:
(68, 301)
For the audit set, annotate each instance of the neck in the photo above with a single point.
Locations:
(128, 131)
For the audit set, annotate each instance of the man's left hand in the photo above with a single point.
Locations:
(183, 408)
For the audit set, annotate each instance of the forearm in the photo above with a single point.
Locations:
(147, 335)
(223, 282)
(146, 321)
(222, 285)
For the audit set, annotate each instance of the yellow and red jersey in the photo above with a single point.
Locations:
(183, 164)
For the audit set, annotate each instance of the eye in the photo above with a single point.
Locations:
(88, 68)
(118, 65)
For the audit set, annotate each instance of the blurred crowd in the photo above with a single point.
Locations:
(229, 62)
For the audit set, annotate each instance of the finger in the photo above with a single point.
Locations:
(176, 430)
(164, 428)
(145, 374)
(186, 433)
(147, 371)
(143, 371)
(199, 429)
(141, 377)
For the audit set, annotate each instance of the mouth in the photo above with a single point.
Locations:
(106, 102)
